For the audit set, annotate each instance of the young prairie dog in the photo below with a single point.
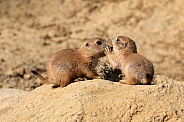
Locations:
(68, 64)
(136, 68)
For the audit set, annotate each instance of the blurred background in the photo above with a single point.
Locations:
(32, 30)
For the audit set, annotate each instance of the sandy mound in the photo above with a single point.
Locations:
(32, 30)
(102, 100)
(9, 97)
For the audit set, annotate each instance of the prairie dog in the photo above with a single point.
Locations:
(66, 65)
(136, 68)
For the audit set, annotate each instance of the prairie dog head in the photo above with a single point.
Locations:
(123, 43)
(94, 47)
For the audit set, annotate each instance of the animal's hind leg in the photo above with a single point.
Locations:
(129, 80)
(62, 79)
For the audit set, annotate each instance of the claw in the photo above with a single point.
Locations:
(107, 50)
(122, 81)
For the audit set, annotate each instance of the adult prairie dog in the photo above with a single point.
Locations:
(68, 64)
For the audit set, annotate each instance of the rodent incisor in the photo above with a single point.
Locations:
(136, 68)
(68, 64)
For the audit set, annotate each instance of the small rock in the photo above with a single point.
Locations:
(9, 72)
(2, 60)
(45, 43)
(27, 76)
(15, 72)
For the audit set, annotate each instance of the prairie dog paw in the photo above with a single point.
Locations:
(108, 50)
(122, 81)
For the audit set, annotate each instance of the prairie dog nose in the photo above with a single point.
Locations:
(114, 40)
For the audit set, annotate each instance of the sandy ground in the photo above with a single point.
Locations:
(97, 101)
(32, 30)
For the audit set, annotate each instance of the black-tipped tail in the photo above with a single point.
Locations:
(44, 80)
(34, 72)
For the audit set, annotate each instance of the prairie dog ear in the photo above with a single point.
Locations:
(124, 44)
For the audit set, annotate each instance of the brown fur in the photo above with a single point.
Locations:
(68, 64)
(136, 68)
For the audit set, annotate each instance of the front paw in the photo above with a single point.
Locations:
(122, 82)
(97, 77)
(80, 79)
(108, 50)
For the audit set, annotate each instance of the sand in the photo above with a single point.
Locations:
(99, 101)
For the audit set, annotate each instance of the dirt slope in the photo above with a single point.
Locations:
(9, 97)
(103, 101)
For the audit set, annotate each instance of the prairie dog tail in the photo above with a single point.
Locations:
(44, 80)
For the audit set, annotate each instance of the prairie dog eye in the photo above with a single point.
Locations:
(117, 39)
(87, 44)
(99, 42)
